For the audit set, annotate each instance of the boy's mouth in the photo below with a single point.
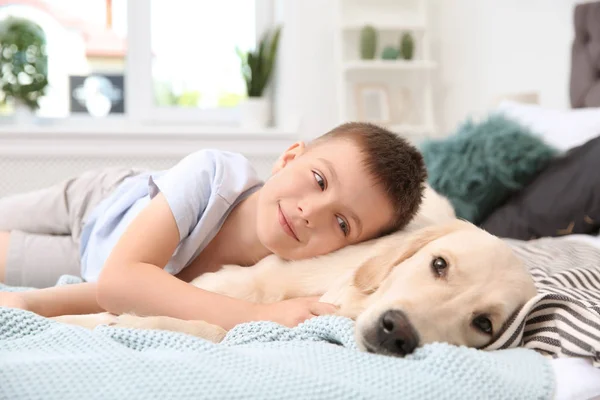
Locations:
(285, 224)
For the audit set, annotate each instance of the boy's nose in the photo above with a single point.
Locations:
(302, 214)
(310, 212)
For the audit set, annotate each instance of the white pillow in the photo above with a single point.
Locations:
(563, 129)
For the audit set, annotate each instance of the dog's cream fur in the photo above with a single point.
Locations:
(483, 278)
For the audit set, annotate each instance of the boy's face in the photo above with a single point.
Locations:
(318, 200)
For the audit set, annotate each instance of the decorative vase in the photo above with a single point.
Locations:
(389, 53)
(368, 42)
(255, 112)
(407, 46)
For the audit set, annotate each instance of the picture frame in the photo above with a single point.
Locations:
(372, 103)
(97, 94)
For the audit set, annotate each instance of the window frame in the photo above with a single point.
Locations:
(139, 96)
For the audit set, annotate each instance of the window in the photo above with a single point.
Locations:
(82, 38)
(194, 59)
(167, 60)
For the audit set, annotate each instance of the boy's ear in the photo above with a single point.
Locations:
(291, 153)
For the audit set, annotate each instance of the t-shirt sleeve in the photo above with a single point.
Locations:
(187, 187)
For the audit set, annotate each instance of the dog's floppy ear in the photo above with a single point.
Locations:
(369, 276)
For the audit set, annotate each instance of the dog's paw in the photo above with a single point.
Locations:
(212, 333)
(89, 321)
(135, 322)
(201, 329)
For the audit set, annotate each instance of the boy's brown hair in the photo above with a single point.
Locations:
(395, 165)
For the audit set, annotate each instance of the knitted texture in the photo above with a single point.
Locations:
(484, 163)
(41, 358)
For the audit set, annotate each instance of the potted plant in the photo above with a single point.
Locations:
(257, 70)
(23, 64)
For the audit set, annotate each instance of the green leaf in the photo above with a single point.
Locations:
(258, 65)
(272, 56)
(241, 54)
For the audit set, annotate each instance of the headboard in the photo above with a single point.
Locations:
(585, 57)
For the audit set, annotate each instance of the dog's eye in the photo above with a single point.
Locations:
(483, 324)
(439, 266)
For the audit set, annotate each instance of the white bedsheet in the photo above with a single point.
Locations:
(576, 379)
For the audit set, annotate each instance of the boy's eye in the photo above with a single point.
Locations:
(320, 180)
(343, 225)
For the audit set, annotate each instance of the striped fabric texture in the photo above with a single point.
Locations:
(563, 320)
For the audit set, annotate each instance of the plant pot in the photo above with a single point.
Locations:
(255, 112)
(22, 114)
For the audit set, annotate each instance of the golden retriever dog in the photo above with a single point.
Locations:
(439, 280)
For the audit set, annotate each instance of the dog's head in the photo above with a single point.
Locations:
(452, 283)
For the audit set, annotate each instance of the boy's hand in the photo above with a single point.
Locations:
(13, 300)
(294, 311)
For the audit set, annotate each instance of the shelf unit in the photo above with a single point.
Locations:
(402, 89)
(388, 65)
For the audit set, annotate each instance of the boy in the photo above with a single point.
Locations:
(141, 243)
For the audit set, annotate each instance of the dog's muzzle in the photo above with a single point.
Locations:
(393, 334)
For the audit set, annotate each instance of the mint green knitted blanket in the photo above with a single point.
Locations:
(43, 359)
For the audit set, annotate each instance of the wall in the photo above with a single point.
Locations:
(485, 48)
(306, 69)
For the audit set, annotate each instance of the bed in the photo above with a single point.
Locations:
(576, 378)
(40, 358)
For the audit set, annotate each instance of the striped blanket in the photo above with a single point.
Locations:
(563, 320)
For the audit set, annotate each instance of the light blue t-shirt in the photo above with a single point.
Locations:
(201, 190)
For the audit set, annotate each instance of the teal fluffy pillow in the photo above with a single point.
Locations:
(480, 166)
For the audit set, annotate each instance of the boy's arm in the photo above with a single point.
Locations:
(133, 279)
(59, 300)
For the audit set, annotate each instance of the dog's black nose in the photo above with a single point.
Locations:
(396, 334)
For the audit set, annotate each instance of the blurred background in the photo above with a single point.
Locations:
(94, 83)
